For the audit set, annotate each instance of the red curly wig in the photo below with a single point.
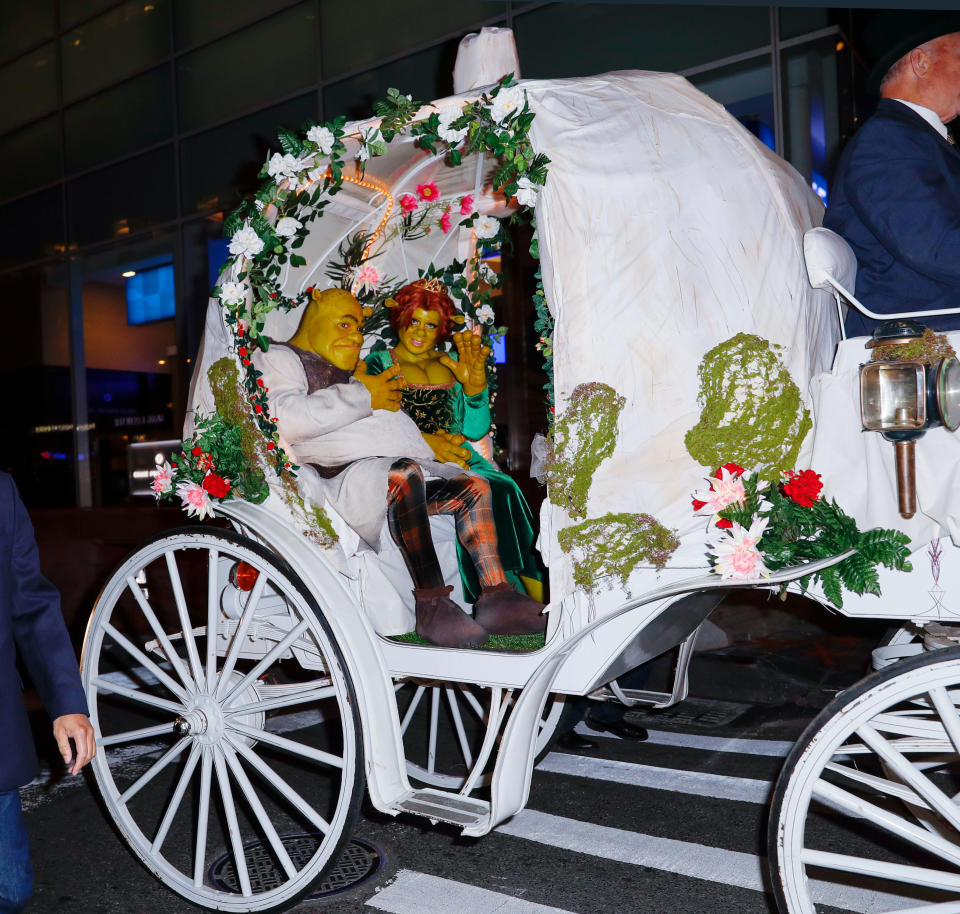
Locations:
(413, 296)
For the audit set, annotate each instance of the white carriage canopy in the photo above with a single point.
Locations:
(664, 229)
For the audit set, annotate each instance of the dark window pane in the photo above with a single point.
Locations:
(426, 76)
(219, 167)
(74, 11)
(248, 69)
(37, 443)
(389, 27)
(29, 158)
(201, 20)
(112, 46)
(123, 198)
(797, 20)
(128, 117)
(28, 87)
(746, 91)
(32, 228)
(24, 23)
(577, 39)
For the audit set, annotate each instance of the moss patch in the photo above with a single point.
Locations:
(584, 435)
(496, 642)
(931, 347)
(752, 410)
(613, 545)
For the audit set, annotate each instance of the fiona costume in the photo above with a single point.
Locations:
(445, 407)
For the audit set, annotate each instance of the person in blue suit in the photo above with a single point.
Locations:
(896, 195)
(30, 623)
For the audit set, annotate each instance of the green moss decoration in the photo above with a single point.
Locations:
(583, 436)
(613, 546)
(228, 396)
(752, 410)
(930, 348)
(495, 643)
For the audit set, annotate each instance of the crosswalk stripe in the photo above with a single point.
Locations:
(771, 747)
(695, 783)
(684, 858)
(419, 893)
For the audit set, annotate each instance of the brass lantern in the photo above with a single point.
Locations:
(901, 399)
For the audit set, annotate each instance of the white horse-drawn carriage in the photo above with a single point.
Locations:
(258, 670)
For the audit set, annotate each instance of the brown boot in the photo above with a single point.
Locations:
(502, 610)
(441, 622)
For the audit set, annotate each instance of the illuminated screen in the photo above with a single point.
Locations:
(150, 295)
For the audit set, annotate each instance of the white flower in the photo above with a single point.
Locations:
(371, 143)
(163, 481)
(283, 167)
(448, 114)
(487, 227)
(363, 153)
(508, 102)
(527, 192)
(287, 226)
(323, 137)
(485, 314)
(195, 500)
(246, 242)
(233, 293)
(737, 555)
(487, 275)
(318, 173)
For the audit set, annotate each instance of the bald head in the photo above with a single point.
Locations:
(929, 75)
(332, 328)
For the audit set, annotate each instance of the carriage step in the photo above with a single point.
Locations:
(445, 807)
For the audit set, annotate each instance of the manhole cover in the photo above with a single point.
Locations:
(699, 712)
(358, 862)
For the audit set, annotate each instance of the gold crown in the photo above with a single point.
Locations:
(431, 284)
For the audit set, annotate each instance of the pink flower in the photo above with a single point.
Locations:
(163, 481)
(408, 203)
(195, 500)
(445, 223)
(726, 489)
(367, 277)
(428, 191)
(466, 205)
(737, 556)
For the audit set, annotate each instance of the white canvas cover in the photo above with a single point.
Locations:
(665, 228)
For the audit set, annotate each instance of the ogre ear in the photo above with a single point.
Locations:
(391, 303)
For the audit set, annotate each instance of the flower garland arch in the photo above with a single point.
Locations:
(267, 231)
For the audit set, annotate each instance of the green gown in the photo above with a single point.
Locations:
(445, 407)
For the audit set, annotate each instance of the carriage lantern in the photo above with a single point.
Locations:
(902, 399)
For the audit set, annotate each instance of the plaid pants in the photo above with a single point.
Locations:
(410, 501)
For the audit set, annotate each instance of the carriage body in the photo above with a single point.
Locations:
(664, 229)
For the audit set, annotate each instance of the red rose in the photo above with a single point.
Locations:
(258, 408)
(734, 469)
(803, 487)
(246, 361)
(217, 486)
(259, 382)
(243, 352)
(309, 289)
(270, 445)
(197, 451)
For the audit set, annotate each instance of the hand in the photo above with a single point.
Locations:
(384, 387)
(471, 369)
(78, 728)
(446, 448)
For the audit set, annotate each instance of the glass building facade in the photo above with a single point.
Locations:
(129, 129)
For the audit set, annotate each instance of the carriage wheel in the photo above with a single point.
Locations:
(445, 727)
(229, 752)
(868, 798)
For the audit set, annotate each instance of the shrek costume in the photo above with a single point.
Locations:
(445, 407)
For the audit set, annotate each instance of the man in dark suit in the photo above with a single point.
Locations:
(31, 623)
(896, 196)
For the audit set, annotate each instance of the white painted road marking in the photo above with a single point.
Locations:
(419, 893)
(684, 858)
(771, 747)
(694, 783)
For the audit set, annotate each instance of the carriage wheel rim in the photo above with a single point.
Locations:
(851, 715)
(220, 731)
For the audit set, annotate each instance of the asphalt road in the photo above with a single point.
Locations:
(673, 825)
